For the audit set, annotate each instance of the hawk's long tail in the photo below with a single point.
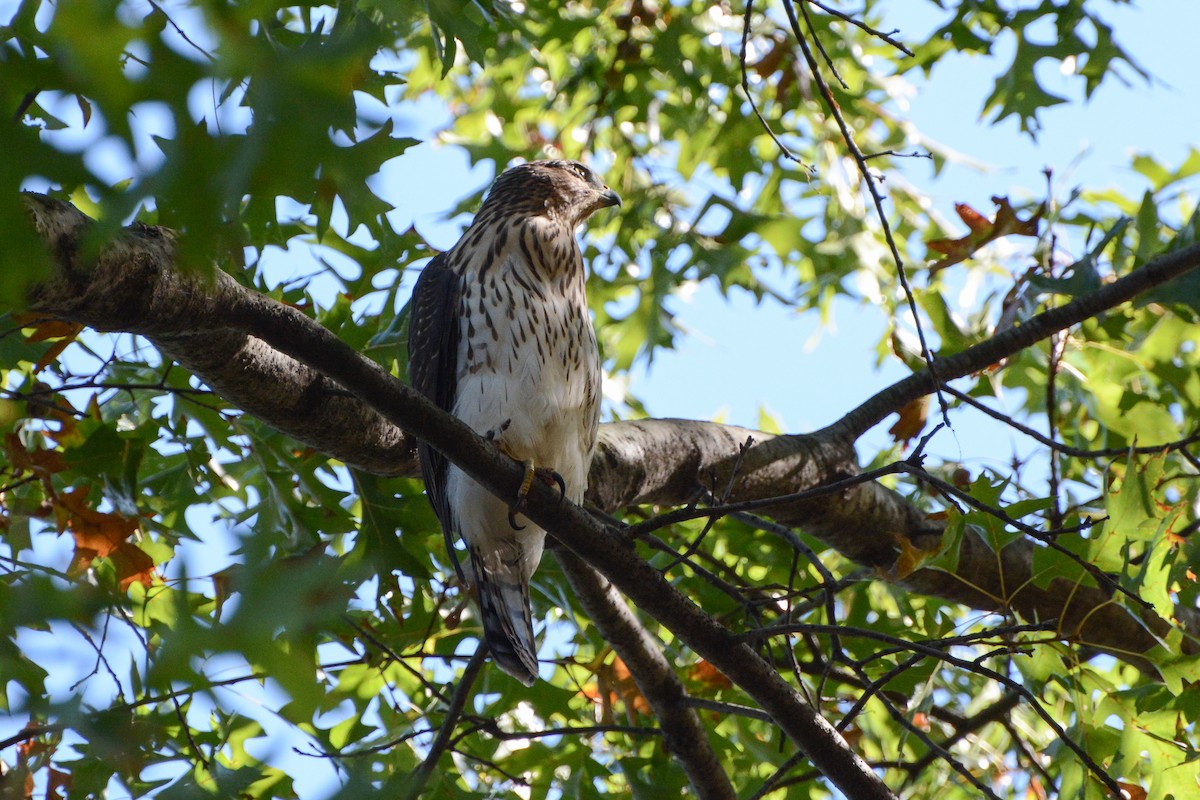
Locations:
(507, 625)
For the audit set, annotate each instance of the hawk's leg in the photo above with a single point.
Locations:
(548, 476)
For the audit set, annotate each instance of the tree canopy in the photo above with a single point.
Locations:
(219, 575)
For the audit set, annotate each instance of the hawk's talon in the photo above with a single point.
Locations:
(547, 476)
(522, 494)
(562, 485)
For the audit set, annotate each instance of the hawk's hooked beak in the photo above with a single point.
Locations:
(609, 198)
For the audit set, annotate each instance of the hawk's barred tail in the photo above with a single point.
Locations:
(507, 626)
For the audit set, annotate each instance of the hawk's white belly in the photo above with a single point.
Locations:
(529, 376)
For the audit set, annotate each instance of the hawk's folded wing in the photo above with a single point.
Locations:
(433, 331)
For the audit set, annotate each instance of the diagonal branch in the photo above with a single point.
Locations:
(1041, 326)
(685, 737)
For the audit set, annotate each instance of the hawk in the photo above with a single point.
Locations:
(500, 337)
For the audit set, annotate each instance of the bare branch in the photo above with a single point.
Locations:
(685, 736)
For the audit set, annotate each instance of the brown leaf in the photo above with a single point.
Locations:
(58, 780)
(44, 329)
(961, 477)
(910, 559)
(614, 684)
(42, 463)
(709, 676)
(101, 534)
(1133, 791)
(977, 222)
(911, 422)
(983, 231)
(852, 736)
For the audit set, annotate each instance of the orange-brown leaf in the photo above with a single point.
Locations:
(977, 222)
(709, 676)
(1133, 791)
(58, 781)
(910, 559)
(102, 534)
(627, 688)
(51, 355)
(45, 328)
(614, 684)
(983, 231)
(852, 736)
(40, 462)
(961, 477)
(911, 422)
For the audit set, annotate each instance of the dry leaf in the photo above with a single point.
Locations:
(100, 534)
(709, 676)
(983, 231)
(45, 329)
(912, 420)
(1133, 791)
(910, 559)
(42, 463)
(614, 684)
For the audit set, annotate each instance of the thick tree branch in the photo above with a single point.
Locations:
(133, 287)
(684, 735)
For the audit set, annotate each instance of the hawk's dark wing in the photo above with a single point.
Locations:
(433, 370)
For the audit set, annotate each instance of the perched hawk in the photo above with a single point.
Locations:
(500, 337)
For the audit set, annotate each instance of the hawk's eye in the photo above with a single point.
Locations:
(581, 171)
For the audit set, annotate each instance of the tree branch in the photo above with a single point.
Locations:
(684, 735)
(1041, 326)
(79, 294)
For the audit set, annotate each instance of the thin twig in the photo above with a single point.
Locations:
(878, 34)
(935, 650)
(876, 198)
(750, 96)
(462, 693)
(1065, 449)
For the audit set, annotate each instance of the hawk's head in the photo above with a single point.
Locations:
(565, 190)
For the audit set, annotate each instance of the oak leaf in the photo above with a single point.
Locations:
(101, 534)
(42, 463)
(983, 231)
(911, 422)
(709, 676)
(614, 684)
(44, 329)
